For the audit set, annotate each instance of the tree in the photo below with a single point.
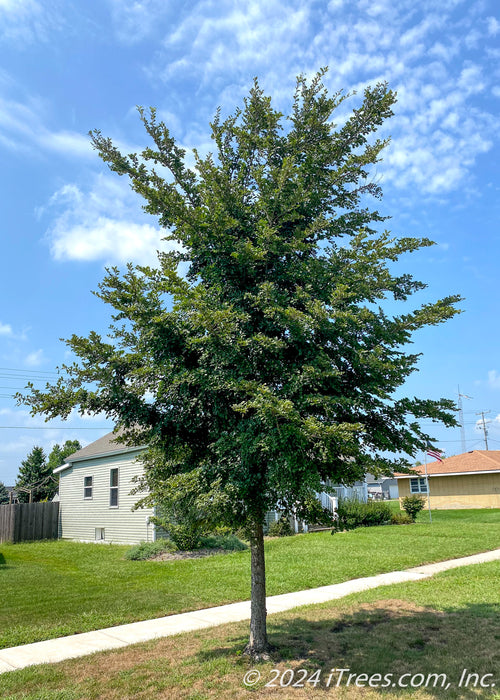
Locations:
(270, 366)
(57, 457)
(34, 478)
(4, 494)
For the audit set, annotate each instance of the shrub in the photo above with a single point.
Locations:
(281, 528)
(186, 509)
(413, 505)
(185, 536)
(401, 519)
(230, 542)
(352, 513)
(148, 550)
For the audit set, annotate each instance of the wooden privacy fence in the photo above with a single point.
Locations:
(29, 521)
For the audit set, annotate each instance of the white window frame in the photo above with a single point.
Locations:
(100, 534)
(88, 486)
(113, 488)
(418, 485)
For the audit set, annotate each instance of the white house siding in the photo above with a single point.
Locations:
(79, 517)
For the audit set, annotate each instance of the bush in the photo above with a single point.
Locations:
(281, 528)
(230, 543)
(352, 513)
(148, 550)
(413, 505)
(185, 536)
(401, 519)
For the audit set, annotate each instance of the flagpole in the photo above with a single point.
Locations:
(428, 490)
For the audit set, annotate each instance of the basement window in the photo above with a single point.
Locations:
(99, 534)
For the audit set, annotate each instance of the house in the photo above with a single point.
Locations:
(329, 500)
(94, 495)
(96, 504)
(469, 480)
(383, 488)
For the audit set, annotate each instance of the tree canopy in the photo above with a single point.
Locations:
(258, 354)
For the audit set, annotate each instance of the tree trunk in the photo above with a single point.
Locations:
(258, 645)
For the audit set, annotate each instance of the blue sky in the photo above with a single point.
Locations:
(70, 66)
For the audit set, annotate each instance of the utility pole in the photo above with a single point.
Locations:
(483, 422)
(461, 418)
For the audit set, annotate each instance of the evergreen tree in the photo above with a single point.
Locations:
(271, 366)
(34, 476)
(4, 494)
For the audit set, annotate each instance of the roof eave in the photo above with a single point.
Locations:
(417, 475)
(61, 468)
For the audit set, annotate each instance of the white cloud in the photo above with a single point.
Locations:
(494, 379)
(23, 127)
(25, 21)
(6, 329)
(134, 21)
(493, 26)
(35, 359)
(439, 129)
(471, 79)
(8, 332)
(67, 143)
(103, 222)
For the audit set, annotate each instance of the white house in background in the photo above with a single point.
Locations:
(94, 495)
(95, 501)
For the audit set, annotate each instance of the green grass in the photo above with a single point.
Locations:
(441, 625)
(52, 589)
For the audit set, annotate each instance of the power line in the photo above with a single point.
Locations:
(54, 427)
(27, 371)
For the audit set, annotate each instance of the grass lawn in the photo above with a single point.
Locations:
(52, 589)
(436, 626)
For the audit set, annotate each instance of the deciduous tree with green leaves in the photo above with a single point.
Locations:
(270, 365)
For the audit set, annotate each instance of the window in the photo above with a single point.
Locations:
(113, 488)
(87, 486)
(99, 534)
(418, 485)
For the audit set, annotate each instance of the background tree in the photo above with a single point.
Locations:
(35, 476)
(4, 494)
(271, 365)
(57, 457)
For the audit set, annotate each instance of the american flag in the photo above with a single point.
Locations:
(434, 453)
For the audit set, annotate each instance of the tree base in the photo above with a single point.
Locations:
(258, 655)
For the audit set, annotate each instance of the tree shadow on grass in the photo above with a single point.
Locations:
(389, 638)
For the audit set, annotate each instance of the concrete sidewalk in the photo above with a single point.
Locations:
(54, 650)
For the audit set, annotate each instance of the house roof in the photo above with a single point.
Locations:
(104, 446)
(476, 461)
